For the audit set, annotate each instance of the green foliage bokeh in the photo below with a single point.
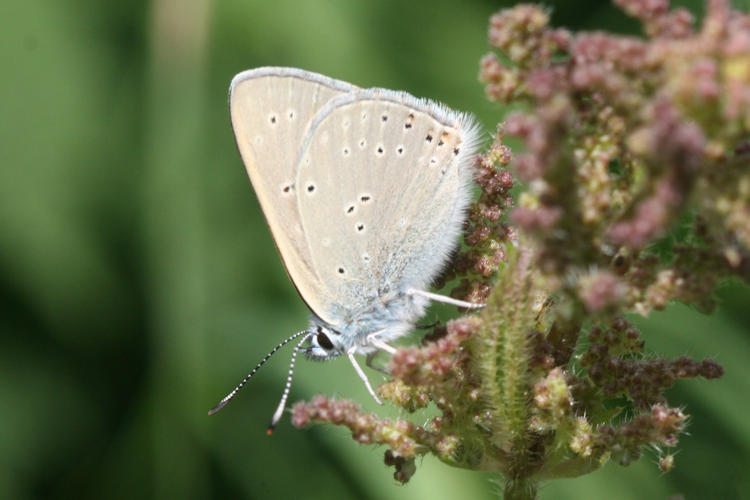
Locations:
(139, 283)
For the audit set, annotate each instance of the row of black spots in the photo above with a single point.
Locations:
(430, 137)
(363, 199)
(346, 151)
(311, 187)
(273, 118)
(409, 121)
(441, 142)
(379, 150)
(341, 270)
(434, 161)
(408, 124)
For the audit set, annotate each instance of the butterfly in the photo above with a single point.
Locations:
(365, 192)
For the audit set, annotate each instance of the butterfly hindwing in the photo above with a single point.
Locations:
(383, 182)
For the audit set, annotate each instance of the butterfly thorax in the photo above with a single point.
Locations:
(385, 318)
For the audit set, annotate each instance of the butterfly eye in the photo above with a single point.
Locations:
(324, 341)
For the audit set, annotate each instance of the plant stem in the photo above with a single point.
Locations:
(520, 489)
(509, 317)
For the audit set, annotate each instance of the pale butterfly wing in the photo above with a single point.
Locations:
(383, 183)
(271, 110)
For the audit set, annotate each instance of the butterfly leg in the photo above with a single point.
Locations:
(358, 369)
(442, 298)
(427, 326)
(370, 364)
(373, 340)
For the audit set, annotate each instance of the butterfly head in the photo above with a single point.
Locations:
(325, 343)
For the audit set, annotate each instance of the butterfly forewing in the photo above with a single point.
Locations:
(382, 175)
(271, 110)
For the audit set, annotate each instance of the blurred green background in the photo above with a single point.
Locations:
(139, 282)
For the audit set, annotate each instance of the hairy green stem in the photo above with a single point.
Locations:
(520, 489)
(508, 318)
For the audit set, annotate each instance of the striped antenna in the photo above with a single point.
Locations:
(282, 404)
(231, 395)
